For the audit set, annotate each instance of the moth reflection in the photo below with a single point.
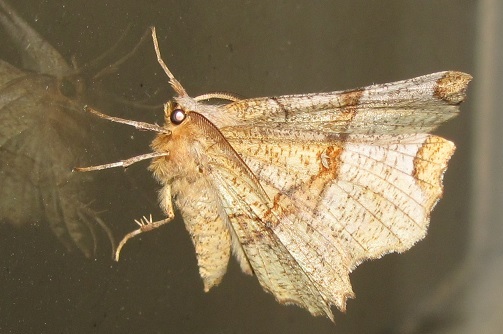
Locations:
(44, 132)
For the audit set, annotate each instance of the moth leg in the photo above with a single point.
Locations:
(146, 225)
(136, 124)
(123, 163)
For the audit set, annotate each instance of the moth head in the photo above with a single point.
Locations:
(174, 115)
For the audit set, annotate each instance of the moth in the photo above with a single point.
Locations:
(301, 188)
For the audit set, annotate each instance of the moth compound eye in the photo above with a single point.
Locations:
(177, 116)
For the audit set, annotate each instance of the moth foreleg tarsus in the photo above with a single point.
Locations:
(146, 225)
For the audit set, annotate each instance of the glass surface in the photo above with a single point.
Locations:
(251, 49)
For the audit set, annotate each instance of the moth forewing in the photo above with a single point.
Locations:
(303, 188)
(409, 106)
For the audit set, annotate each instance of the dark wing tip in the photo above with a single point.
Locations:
(451, 87)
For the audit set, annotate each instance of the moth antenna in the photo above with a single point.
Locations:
(177, 86)
(219, 96)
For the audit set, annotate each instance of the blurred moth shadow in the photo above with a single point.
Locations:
(44, 133)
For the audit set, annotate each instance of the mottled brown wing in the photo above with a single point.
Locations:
(416, 105)
(346, 176)
(276, 268)
(333, 205)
